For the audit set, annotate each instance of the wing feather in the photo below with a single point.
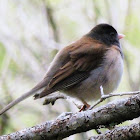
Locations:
(82, 57)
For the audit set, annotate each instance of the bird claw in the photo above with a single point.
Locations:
(84, 108)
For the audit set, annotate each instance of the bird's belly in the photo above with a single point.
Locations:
(108, 76)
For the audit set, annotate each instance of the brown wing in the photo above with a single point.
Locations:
(83, 56)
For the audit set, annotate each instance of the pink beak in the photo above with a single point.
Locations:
(120, 36)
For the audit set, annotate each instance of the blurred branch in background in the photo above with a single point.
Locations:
(134, 84)
(51, 20)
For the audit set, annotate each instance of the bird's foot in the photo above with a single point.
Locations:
(84, 107)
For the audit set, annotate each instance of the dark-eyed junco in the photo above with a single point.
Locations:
(81, 68)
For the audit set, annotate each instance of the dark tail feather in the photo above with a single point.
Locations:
(24, 96)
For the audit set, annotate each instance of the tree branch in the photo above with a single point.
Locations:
(131, 132)
(71, 123)
(52, 99)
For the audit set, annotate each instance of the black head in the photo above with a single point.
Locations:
(105, 33)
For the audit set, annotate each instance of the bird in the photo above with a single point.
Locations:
(79, 69)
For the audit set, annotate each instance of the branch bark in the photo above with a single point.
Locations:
(52, 99)
(131, 132)
(71, 123)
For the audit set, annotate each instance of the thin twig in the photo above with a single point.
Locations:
(104, 97)
(52, 99)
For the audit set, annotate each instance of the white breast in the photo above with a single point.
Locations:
(115, 70)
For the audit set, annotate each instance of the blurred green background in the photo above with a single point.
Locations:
(32, 31)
